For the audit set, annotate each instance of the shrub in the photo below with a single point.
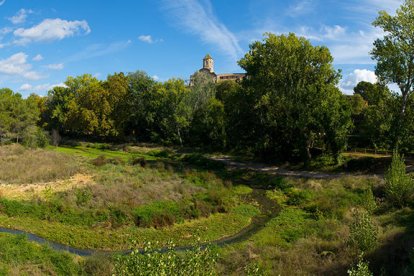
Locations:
(35, 137)
(369, 201)
(157, 214)
(361, 269)
(198, 261)
(399, 186)
(100, 161)
(363, 232)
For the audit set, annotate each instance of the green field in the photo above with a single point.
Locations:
(94, 196)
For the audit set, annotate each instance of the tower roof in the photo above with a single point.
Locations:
(208, 57)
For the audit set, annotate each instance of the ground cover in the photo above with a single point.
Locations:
(110, 199)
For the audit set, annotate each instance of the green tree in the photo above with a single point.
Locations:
(206, 112)
(375, 116)
(399, 186)
(295, 103)
(16, 114)
(394, 54)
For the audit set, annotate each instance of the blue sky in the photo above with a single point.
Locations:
(44, 41)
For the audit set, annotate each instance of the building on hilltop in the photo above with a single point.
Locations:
(208, 67)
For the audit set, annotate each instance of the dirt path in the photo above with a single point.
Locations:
(275, 170)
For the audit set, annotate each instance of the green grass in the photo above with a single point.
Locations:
(207, 229)
(310, 234)
(18, 256)
(90, 152)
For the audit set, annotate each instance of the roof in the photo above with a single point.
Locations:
(208, 57)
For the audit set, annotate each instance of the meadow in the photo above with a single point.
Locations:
(118, 197)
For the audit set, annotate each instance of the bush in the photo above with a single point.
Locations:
(158, 214)
(100, 161)
(35, 137)
(199, 261)
(363, 232)
(399, 186)
(361, 269)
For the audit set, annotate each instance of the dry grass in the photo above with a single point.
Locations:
(19, 165)
(45, 189)
(125, 185)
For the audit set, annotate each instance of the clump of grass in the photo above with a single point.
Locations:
(19, 165)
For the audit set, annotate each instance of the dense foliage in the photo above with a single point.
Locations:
(295, 103)
(288, 107)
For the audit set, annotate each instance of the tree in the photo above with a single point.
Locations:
(373, 115)
(16, 114)
(394, 54)
(295, 102)
(399, 186)
(82, 108)
(206, 112)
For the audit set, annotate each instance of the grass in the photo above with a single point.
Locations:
(311, 234)
(122, 201)
(21, 257)
(208, 229)
(19, 165)
(104, 197)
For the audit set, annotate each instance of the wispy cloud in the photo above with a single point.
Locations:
(2, 2)
(97, 50)
(51, 29)
(40, 87)
(20, 16)
(301, 7)
(198, 18)
(57, 66)
(37, 57)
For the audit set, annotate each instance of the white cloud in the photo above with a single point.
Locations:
(37, 57)
(26, 87)
(20, 16)
(333, 32)
(57, 66)
(41, 87)
(350, 81)
(156, 78)
(17, 65)
(200, 20)
(146, 39)
(51, 29)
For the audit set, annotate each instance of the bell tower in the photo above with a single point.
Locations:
(208, 63)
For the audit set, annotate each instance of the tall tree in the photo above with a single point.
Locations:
(295, 102)
(394, 54)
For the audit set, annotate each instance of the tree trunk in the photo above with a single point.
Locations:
(404, 98)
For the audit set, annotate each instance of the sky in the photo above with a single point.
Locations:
(42, 42)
